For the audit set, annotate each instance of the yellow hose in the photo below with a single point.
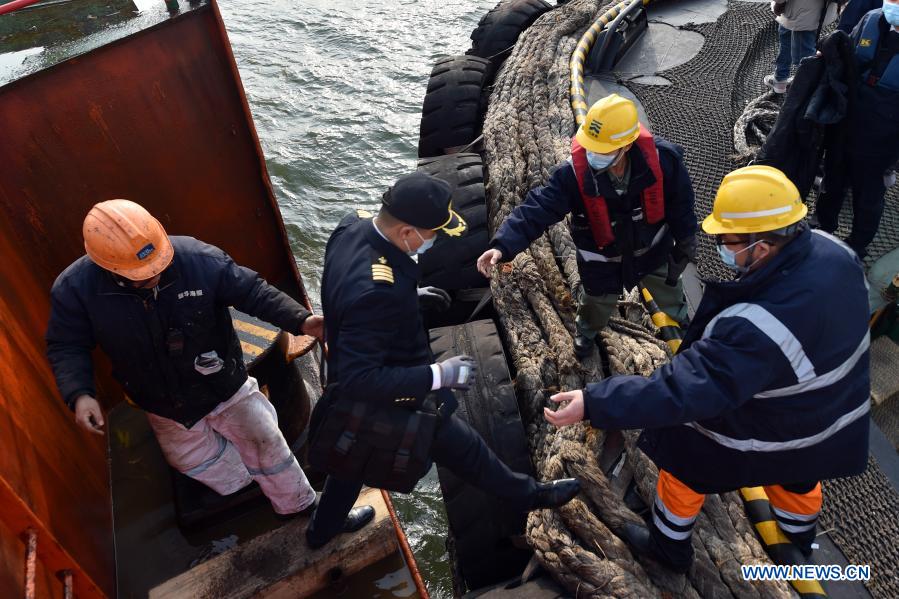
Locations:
(579, 56)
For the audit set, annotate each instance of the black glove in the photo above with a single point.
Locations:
(683, 252)
(433, 298)
(779, 8)
(457, 372)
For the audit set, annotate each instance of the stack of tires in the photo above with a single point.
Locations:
(484, 534)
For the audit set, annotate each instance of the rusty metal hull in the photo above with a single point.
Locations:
(159, 117)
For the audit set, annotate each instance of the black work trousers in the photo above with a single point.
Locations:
(863, 174)
(457, 447)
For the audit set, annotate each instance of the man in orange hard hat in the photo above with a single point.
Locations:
(158, 307)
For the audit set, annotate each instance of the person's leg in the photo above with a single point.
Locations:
(796, 509)
(593, 313)
(201, 453)
(868, 191)
(338, 498)
(670, 299)
(784, 53)
(803, 45)
(830, 200)
(674, 513)
(250, 422)
(461, 449)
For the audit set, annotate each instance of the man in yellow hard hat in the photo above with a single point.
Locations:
(631, 205)
(771, 384)
(158, 307)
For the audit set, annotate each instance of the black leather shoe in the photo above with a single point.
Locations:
(583, 346)
(638, 538)
(303, 513)
(356, 519)
(555, 493)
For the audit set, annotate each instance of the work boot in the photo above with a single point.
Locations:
(356, 519)
(583, 346)
(640, 541)
(555, 493)
(776, 85)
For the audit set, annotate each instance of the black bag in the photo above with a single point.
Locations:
(383, 446)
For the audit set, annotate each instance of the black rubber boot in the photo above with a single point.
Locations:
(355, 520)
(583, 346)
(555, 493)
(677, 556)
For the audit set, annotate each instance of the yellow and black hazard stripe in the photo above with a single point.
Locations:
(669, 329)
(579, 57)
(779, 547)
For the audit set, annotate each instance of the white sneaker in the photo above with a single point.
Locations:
(776, 85)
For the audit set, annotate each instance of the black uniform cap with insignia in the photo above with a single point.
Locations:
(426, 202)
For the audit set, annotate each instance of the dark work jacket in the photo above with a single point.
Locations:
(378, 349)
(873, 126)
(813, 114)
(771, 385)
(853, 13)
(650, 244)
(90, 308)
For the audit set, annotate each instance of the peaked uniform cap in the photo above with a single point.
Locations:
(426, 202)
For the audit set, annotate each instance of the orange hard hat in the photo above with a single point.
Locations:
(125, 239)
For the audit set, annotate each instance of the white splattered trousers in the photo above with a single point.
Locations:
(236, 443)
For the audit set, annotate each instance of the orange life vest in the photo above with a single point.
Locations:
(598, 211)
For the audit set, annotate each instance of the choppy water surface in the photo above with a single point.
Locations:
(336, 88)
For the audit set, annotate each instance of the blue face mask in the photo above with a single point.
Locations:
(601, 162)
(426, 244)
(729, 257)
(891, 13)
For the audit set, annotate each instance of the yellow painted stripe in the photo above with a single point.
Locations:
(590, 36)
(250, 349)
(660, 319)
(581, 105)
(753, 493)
(770, 533)
(810, 587)
(674, 345)
(580, 79)
(255, 330)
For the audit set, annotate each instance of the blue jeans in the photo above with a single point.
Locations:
(794, 46)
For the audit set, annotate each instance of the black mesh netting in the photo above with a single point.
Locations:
(698, 110)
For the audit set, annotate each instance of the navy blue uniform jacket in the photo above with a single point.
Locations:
(771, 385)
(545, 206)
(90, 308)
(378, 349)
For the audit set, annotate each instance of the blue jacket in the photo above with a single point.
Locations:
(603, 273)
(771, 385)
(873, 124)
(132, 327)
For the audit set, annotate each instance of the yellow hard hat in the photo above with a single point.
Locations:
(754, 199)
(611, 123)
(122, 237)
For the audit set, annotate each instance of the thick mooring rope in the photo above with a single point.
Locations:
(754, 125)
(527, 130)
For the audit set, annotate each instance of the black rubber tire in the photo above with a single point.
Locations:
(451, 263)
(453, 109)
(482, 526)
(498, 30)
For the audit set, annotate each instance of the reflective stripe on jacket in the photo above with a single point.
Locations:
(772, 383)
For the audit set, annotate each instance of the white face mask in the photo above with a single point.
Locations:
(729, 257)
(426, 244)
(600, 162)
